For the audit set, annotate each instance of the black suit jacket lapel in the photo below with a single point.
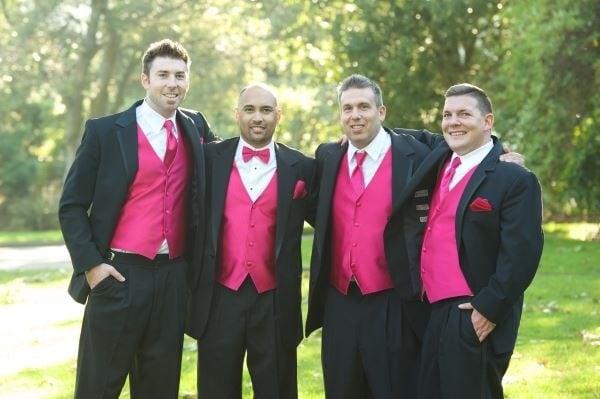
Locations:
(222, 165)
(402, 167)
(331, 166)
(486, 166)
(126, 127)
(286, 179)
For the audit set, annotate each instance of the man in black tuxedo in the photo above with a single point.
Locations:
(136, 183)
(247, 299)
(481, 249)
(364, 293)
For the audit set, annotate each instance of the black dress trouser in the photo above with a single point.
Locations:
(134, 328)
(371, 345)
(242, 324)
(454, 364)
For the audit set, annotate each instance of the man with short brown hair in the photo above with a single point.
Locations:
(136, 182)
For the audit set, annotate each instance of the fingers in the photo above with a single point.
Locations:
(98, 273)
(115, 273)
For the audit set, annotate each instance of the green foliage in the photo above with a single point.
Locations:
(62, 62)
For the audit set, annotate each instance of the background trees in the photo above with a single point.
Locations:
(64, 61)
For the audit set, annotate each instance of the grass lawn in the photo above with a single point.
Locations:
(557, 354)
(16, 238)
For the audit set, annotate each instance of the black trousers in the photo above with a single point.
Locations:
(370, 346)
(136, 328)
(454, 363)
(243, 323)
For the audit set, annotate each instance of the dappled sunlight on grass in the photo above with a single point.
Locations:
(574, 231)
(557, 354)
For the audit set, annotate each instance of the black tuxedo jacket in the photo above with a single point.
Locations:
(292, 166)
(97, 184)
(499, 250)
(407, 155)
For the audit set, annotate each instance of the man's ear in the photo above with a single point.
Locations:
(489, 121)
(382, 111)
(145, 80)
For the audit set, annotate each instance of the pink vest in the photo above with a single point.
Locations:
(156, 204)
(357, 232)
(440, 266)
(247, 244)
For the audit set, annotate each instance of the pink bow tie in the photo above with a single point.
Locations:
(248, 153)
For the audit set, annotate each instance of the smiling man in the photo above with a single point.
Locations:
(481, 249)
(371, 326)
(247, 300)
(131, 200)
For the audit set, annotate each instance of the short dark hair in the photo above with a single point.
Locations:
(164, 48)
(357, 81)
(466, 89)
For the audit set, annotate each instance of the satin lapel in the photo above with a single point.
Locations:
(221, 171)
(486, 166)
(329, 175)
(126, 127)
(402, 167)
(286, 179)
(193, 139)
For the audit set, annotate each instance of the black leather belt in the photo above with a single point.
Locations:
(130, 257)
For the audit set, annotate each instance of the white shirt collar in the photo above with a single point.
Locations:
(474, 157)
(375, 149)
(152, 120)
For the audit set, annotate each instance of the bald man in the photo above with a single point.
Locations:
(247, 300)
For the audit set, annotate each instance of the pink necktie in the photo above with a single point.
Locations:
(357, 178)
(171, 143)
(248, 153)
(447, 178)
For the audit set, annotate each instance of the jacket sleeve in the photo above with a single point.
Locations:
(521, 243)
(202, 125)
(76, 200)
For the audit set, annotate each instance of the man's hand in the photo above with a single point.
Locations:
(100, 272)
(483, 327)
(512, 157)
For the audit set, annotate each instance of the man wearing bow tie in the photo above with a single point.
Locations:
(247, 300)
(136, 182)
(481, 249)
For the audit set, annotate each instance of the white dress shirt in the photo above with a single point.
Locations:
(255, 174)
(152, 124)
(468, 162)
(376, 151)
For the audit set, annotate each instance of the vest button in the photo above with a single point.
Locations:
(358, 204)
(354, 244)
(251, 243)
(249, 264)
(355, 224)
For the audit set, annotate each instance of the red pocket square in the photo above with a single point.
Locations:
(300, 190)
(480, 204)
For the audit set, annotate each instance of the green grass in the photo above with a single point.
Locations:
(16, 238)
(557, 354)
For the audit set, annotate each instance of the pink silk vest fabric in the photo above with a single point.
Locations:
(357, 232)
(440, 266)
(247, 244)
(156, 204)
